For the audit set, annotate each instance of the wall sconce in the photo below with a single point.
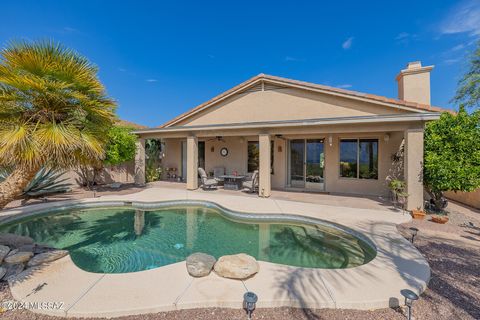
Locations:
(330, 141)
(386, 137)
(212, 149)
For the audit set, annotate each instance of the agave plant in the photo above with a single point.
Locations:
(45, 182)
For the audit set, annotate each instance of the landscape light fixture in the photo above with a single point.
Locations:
(414, 232)
(410, 296)
(249, 301)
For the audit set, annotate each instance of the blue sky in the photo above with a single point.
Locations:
(159, 59)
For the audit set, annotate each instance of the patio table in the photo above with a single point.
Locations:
(232, 182)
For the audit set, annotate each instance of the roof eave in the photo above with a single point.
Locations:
(427, 116)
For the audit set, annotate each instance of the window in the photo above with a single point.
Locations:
(348, 158)
(359, 158)
(254, 156)
(368, 159)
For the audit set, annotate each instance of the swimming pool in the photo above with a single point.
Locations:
(130, 239)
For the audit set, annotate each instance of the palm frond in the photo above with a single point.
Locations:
(53, 107)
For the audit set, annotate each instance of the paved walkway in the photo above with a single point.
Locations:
(398, 265)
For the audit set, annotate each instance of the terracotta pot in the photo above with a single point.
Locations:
(418, 214)
(439, 219)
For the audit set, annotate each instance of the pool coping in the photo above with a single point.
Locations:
(377, 284)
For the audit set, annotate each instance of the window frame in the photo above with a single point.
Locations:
(357, 177)
(272, 156)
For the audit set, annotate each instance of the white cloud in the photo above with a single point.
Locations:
(151, 80)
(458, 47)
(347, 44)
(405, 37)
(69, 29)
(451, 61)
(345, 86)
(402, 36)
(290, 58)
(121, 69)
(465, 18)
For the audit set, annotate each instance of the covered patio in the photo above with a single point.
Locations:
(286, 156)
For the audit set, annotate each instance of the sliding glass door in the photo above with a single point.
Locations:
(306, 164)
(314, 165)
(297, 161)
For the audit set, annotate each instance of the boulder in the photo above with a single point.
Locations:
(4, 250)
(13, 270)
(26, 248)
(200, 264)
(41, 248)
(12, 252)
(19, 257)
(47, 257)
(3, 271)
(238, 266)
(13, 240)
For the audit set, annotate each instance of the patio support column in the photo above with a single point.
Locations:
(139, 176)
(413, 167)
(192, 162)
(264, 181)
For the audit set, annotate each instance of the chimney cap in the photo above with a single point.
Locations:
(412, 68)
(414, 65)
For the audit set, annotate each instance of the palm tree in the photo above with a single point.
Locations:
(54, 112)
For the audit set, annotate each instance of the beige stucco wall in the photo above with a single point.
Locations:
(469, 198)
(123, 173)
(237, 160)
(284, 104)
(173, 154)
(237, 157)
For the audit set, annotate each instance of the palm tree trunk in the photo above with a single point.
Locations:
(12, 187)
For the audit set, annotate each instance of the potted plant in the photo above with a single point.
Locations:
(418, 213)
(397, 188)
(437, 218)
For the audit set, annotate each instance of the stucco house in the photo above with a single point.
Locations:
(302, 136)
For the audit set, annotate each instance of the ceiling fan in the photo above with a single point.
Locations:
(217, 138)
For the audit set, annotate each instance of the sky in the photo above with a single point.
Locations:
(158, 59)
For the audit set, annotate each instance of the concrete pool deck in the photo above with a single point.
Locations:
(377, 284)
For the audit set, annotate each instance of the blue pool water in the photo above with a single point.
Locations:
(124, 239)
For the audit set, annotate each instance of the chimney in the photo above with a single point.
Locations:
(414, 83)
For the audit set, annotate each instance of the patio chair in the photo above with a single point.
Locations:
(217, 172)
(252, 185)
(207, 183)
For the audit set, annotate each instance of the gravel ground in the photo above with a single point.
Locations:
(453, 252)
